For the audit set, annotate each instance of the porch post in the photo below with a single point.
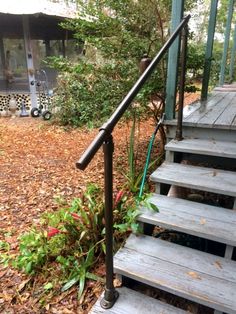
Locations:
(173, 57)
(29, 61)
(232, 58)
(209, 48)
(2, 53)
(47, 47)
(63, 48)
(226, 42)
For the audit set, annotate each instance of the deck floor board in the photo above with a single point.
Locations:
(219, 111)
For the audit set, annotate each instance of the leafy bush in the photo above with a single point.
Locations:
(89, 93)
(118, 35)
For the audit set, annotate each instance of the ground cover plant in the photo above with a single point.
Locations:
(72, 238)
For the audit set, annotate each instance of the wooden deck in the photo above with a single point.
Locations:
(211, 119)
(219, 111)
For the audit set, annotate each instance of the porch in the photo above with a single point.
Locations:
(30, 33)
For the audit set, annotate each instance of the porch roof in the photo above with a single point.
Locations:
(32, 7)
(44, 17)
(42, 27)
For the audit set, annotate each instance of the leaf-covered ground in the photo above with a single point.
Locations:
(37, 164)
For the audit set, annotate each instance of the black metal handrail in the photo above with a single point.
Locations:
(104, 138)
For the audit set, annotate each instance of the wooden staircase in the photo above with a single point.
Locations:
(192, 274)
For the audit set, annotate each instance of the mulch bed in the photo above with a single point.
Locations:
(37, 164)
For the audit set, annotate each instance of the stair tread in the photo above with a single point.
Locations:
(130, 302)
(195, 177)
(203, 147)
(203, 278)
(206, 221)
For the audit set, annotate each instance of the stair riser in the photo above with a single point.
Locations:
(202, 133)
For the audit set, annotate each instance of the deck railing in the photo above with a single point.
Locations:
(105, 138)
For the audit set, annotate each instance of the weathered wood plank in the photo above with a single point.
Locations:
(233, 124)
(132, 302)
(203, 147)
(189, 282)
(205, 107)
(191, 108)
(215, 111)
(228, 115)
(199, 178)
(226, 88)
(229, 251)
(223, 134)
(198, 261)
(194, 208)
(206, 221)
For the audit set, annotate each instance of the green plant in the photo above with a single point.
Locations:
(4, 246)
(80, 272)
(33, 251)
(90, 90)
(4, 253)
(72, 238)
(135, 168)
(125, 214)
(131, 175)
(127, 210)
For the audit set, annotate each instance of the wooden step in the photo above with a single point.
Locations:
(200, 277)
(199, 178)
(203, 147)
(201, 220)
(133, 302)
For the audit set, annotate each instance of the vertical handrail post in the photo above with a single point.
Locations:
(183, 63)
(110, 295)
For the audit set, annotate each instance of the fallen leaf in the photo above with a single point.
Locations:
(218, 264)
(117, 283)
(2, 273)
(23, 284)
(194, 275)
